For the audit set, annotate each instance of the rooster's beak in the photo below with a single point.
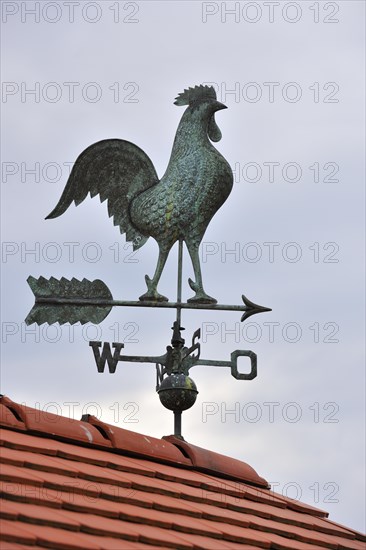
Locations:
(219, 106)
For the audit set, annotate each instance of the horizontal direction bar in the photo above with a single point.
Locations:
(125, 303)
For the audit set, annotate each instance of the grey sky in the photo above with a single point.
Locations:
(295, 113)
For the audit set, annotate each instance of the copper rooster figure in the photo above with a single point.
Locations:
(179, 206)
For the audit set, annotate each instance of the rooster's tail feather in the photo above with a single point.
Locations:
(117, 171)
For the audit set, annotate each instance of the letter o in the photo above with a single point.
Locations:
(86, 255)
(45, 175)
(56, 97)
(256, 407)
(98, 409)
(96, 336)
(257, 88)
(256, 258)
(245, 14)
(295, 338)
(258, 169)
(298, 252)
(52, 259)
(298, 11)
(257, 336)
(287, 97)
(85, 92)
(47, 337)
(298, 412)
(45, 15)
(86, 15)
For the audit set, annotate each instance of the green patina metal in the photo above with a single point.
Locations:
(178, 207)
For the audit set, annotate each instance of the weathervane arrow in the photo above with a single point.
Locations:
(63, 301)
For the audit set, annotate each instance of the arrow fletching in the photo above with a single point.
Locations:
(63, 301)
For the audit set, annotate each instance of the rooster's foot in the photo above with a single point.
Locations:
(152, 295)
(201, 297)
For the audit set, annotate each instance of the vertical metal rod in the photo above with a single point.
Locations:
(179, 286)
(178, 423)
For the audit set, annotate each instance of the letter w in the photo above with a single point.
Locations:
(106, 355)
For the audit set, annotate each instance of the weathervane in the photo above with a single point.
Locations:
(177, 208)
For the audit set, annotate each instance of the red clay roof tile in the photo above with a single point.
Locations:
(10, 418)
(37, 461)
(121, 493)
(175, 505)
(14, 546)
(109, 543)
(208, 461)
(51, 537)
(41, 515)
(20, 492)
(13, 531)
(143, 445)
(302, 507)
(20, 475)
(39, 421)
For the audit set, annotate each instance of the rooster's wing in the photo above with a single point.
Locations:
(116, 170)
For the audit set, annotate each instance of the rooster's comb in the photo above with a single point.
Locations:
(195, 94)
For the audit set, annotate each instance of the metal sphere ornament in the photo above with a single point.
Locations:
(178, 392)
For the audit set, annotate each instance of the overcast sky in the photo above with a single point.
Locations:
(290, 236)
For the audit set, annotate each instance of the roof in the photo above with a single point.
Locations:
(72, 485)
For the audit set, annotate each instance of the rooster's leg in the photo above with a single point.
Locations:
(152, 292)
(200, 297)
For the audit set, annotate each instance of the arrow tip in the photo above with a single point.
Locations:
(251, 308)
